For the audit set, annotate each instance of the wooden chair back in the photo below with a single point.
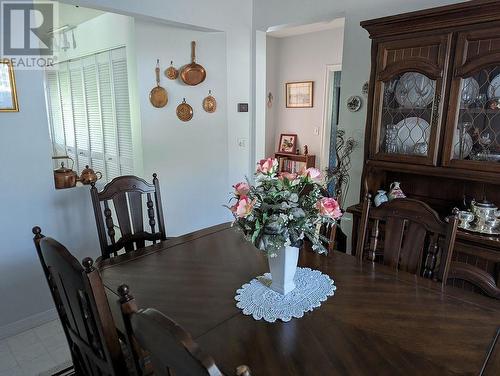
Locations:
(127, 195)
(83, 309)
(170, 348)
(412, 230)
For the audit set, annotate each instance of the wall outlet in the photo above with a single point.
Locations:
(242, 142)
(316, 131)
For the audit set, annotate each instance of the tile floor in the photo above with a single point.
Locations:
(34, 351)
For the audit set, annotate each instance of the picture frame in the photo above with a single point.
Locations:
(8, 92)
(288, 143)
(299, 94)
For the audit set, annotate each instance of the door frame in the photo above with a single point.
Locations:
(327, 115)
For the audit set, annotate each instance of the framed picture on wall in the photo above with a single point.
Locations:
(8, 94)
(299, 94)
(288, 143)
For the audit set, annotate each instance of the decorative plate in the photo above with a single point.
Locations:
(354, 103)
(469, 92)
(171, 72)
(415, 90)
(494, 87)
(209, 103)
(184, 111)
(466, 145)
(412, 131)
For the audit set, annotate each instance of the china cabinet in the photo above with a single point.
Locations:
(433, 121)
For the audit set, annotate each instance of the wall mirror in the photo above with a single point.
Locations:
(8, 95)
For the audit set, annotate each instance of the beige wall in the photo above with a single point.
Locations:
(300, 58)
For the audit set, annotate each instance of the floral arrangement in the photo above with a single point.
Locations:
(283, 208)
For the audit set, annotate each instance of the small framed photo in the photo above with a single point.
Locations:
(299, 94)
(288, 143)
(8, 94)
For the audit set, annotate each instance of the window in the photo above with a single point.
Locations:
(89, 113)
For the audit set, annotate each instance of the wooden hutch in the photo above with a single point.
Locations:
(433, 120)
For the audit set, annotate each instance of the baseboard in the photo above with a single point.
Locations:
(29, 322)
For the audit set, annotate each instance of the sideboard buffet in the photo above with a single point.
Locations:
(433, 121)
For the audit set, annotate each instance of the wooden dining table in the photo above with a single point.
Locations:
(379, 322)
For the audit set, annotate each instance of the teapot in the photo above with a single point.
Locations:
(89, 175)
(485, 212)
(64, 177)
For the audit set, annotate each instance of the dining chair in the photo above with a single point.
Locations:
(124, 198)
(169, 347)
(83, 309)
(411, 230)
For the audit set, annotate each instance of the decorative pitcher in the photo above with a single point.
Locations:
(380, 198)
(395, 191)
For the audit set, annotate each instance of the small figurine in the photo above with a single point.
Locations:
(306, 150)
(396, 191)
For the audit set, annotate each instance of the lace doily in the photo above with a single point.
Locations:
(257, 299)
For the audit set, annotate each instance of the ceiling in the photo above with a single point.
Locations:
(291, 30)
(73, 15)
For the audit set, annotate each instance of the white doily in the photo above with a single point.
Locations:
(257, 299)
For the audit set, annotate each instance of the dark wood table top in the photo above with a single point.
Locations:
(379, 322)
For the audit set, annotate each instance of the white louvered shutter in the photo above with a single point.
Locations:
(67, 110)
(122, 110)
(55, 113)
(93, 115)
(89, 113)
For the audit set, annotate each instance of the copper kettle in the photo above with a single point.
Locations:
(89, 175)
(64, 177)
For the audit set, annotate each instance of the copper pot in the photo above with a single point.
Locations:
(64, 177)
(89, 176)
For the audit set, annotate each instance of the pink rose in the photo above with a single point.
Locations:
(243, 207)
(314, 174)
(329, 207)
(267, 166)
(241, 189)
(287, 175)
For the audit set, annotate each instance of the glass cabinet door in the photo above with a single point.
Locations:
(407, 100)
(473, 130)
(407, 114)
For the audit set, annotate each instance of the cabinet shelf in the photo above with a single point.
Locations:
(403, 110)
(480, 111)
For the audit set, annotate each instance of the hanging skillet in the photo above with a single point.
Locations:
(193, 74)
(158, 96)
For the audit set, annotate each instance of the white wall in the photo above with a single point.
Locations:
(189, 157)
(29, 198)
(301, 58)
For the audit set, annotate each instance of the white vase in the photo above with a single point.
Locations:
(283, 267)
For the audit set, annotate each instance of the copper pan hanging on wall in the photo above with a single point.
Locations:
(184, 111)
(158, 95)
(193, 74)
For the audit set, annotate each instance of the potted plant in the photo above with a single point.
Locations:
(279, 211)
